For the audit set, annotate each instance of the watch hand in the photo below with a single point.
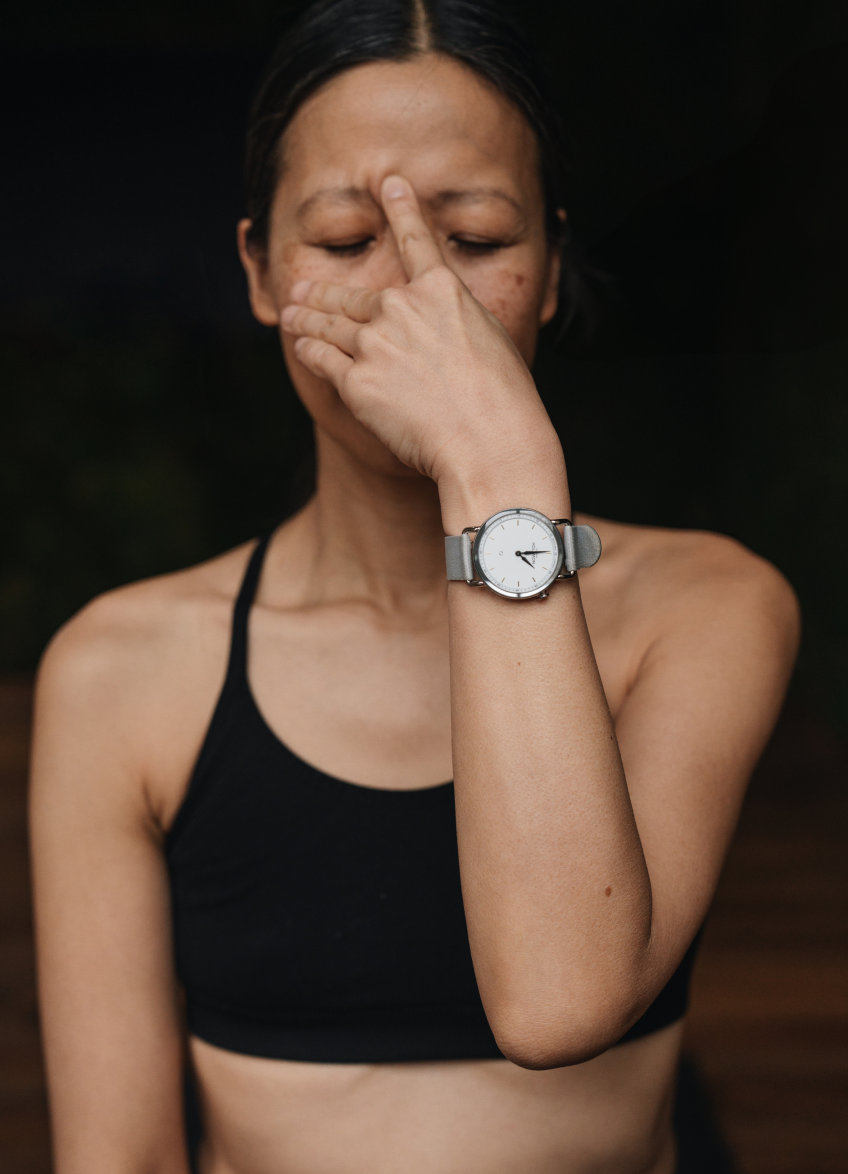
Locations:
(523, 559)
(522, 552)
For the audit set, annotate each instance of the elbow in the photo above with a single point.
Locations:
(539, 1050)
(543, 1035)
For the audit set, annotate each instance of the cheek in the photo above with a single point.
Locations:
(512, 294)
(378, 269)
(294, 263)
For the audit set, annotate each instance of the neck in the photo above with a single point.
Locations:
(367, 535)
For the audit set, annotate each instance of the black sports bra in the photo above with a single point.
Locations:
(320, 920)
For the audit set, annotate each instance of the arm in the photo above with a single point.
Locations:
(588, 851)
(110, 1014)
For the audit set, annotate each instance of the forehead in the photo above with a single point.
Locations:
(429, 119)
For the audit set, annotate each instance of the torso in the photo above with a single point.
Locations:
(458, 1117)
(368, 702)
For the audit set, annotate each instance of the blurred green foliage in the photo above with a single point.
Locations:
(786, 495)
(753, 445)
(130, 447)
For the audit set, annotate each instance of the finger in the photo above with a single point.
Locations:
(323, 359)
(333, 328)
(416, 244)
(357, 304)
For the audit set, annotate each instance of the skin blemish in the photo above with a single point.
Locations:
(471, 158)
(608, 890)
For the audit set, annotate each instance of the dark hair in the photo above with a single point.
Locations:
(333, 36)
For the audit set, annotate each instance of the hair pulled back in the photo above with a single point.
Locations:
(333, 36)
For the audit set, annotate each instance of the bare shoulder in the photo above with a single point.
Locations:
(665, 577)
(128, 684)
(145, 621)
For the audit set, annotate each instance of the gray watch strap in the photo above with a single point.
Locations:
(458, 557)
(582, 549)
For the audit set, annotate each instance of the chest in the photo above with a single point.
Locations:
(369, 702)
(362, 700)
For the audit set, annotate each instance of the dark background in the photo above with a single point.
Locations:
(147, 422)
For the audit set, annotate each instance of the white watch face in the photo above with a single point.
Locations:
(518, 553)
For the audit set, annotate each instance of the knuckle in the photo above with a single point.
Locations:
(392, 298)
(363, 300)
(442, 278)
(413, 236)
(365, 338)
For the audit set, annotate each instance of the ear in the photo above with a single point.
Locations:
(550, 301)
(260, 291)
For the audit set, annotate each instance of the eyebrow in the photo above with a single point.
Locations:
(356, 195)
(475, 196)
(335, 196)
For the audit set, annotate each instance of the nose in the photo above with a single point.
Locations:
(391, 273)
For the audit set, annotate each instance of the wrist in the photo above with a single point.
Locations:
(471, 491)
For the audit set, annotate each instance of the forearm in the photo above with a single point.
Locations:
(554, 879)
(113, 1049)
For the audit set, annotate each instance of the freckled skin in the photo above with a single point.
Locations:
(446, 131)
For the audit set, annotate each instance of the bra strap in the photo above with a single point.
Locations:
(237, 667)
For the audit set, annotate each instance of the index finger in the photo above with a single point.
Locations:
(357, 304)
(416, 244)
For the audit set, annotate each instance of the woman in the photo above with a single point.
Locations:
(239, 773)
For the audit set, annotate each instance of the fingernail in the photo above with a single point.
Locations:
(299, 344)
(394, 187)
(288, 314)
(299, 290)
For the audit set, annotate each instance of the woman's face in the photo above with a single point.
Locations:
(473, 162)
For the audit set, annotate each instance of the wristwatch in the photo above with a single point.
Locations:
(519, 553)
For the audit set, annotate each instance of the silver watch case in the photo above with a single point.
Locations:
(548, 524)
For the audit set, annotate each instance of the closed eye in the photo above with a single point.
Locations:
(476, 248)
(350, 249)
